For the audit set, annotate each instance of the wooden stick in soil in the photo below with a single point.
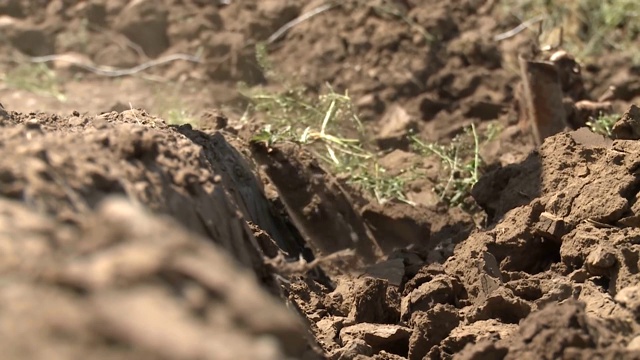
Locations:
(542, 98)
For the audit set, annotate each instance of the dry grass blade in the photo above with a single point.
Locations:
(302, 18)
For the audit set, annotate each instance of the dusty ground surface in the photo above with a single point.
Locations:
(124, 236)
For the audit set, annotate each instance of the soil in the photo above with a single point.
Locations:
(124, 236)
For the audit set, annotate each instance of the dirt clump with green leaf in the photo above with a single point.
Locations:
(291, 179)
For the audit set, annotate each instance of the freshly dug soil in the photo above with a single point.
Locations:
(119, 241)
(555, 275)
(124, 237)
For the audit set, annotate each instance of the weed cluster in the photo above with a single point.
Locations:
(327, 125)
(461, 161)
(603, 124)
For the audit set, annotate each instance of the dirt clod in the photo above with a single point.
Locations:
(161, 196)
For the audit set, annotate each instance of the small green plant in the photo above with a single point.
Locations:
(328, 126)
(461, 159)
(493, 130)
(325, 124)
(374, 179)
(37, 78)
(603, 124)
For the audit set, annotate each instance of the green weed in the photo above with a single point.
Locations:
(462, 162)
(603, 124)
(325, 124)
(374, 179)
(493, 131)
(328, 126)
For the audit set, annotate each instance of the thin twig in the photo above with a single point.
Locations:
(114, 72)
(320, 9)
(518, 29)
(476, 160)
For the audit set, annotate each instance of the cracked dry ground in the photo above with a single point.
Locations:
(122, 237)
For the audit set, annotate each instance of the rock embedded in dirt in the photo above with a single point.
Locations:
(552, 227)
(600, 260)
(476, 268)
(395, 125)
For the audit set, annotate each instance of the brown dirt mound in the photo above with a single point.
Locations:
(123, 237)
(89, 276)
(556, 274)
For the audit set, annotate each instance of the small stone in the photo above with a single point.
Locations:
(394, 127)
(552, 227)
(600, 260)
